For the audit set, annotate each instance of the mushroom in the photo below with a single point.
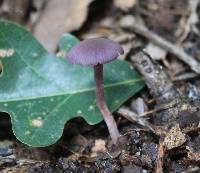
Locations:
(96, 52)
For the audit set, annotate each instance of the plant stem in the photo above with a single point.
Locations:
(107, 115)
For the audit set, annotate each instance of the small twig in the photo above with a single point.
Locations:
(130, 115)
(156, 78)
(163, 107)
(133, 117)
(158, 109)
(161, 42)
(159, 159)
(170, 101)
(149, 112)
(185, 76)
(27, 161)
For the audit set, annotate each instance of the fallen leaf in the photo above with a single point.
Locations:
(99, 146)
(59, 17)
(45, 91)
(174, 138)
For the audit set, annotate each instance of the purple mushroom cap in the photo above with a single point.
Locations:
(94, 51)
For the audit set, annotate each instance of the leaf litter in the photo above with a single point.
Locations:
(145, 150)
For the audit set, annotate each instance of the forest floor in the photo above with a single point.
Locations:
(159, 126)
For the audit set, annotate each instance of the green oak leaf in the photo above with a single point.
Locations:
(41, 92)
(67, 41)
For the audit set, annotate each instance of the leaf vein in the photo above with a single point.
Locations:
(29, 66)
(130, 82)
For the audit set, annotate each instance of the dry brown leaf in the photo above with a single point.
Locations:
(174, 138)
(193, 155)
(125, 4)
(59, 17)
(99, 146)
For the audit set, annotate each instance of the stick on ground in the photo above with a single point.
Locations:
(161, 42)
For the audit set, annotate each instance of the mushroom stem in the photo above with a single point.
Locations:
(107, 115)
